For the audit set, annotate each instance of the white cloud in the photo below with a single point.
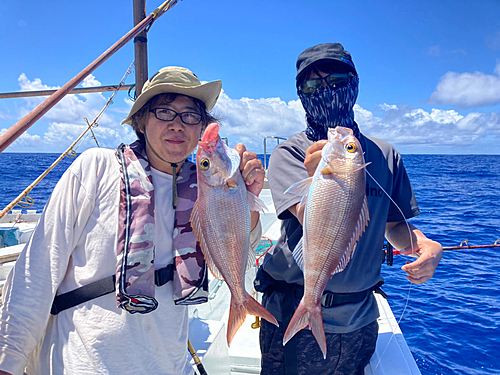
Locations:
(67, 121)
(415, 130)
(72, 108)
(387, 107)
(468, 90)
(250, 120)
(411, 130)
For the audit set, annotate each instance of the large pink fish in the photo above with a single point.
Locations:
(336, 215)
(221, 220)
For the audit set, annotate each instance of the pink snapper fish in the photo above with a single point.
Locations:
(335, 217)
(221, 220)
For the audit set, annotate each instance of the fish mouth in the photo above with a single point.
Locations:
(208, 146)
(210, 138)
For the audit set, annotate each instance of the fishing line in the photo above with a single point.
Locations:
(411, 285)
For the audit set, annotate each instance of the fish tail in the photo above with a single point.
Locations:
(255, 308)
(318, 329)
(238, 312)
(301, 319)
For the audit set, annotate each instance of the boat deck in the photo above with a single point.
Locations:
(207, 330)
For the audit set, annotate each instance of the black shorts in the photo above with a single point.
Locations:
(347, 353)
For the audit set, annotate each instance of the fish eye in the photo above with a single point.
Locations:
(350, 147)
(205, 164)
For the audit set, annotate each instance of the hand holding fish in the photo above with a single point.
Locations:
(253, 174)
(251, 169)
(311, 162)
(313, 156)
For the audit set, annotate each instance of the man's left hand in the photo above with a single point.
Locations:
(251, 169)
(424, 267)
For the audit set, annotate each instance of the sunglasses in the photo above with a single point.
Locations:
(334, 80)
(188, 118)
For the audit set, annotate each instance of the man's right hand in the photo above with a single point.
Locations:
(313, 156)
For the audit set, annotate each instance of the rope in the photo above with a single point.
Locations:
(271, 243)
(162, 9)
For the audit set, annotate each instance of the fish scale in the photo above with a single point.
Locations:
(335, 216)
(221, 221)
(223, 207)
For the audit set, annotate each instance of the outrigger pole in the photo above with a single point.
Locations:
(80, 90)
(27, 121)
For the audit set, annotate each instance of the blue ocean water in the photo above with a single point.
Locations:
(451, 323)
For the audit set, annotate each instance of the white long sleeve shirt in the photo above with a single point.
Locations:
(74, 245)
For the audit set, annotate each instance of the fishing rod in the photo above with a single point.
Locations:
(196, 359)
(390, 250)
(27, 121)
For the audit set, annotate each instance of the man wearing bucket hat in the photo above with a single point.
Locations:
(104, 283)
(327, 85)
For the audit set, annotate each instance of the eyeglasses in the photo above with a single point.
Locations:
(188, 118)
(334, 80)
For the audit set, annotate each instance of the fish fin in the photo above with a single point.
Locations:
(362, 166)
(196, 225)
(301, 319)
(255, 203)
(345, 259)
(238, 312)
(298, 254)
(255, 308)
(237, 315)
(364, 217)
(318, 329)
(234, 156)
(300, 188)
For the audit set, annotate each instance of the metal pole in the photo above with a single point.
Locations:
(140, 48)
(265, 155)
(80, 90)
(24, 124)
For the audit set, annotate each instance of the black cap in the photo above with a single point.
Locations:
(322, 53)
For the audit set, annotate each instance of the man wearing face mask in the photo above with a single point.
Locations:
(327, 84)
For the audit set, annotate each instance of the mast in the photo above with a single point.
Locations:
(22, 125)
(140, 47)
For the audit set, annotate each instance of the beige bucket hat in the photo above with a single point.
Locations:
(174, 79)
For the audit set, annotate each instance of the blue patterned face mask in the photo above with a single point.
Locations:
(329, 107)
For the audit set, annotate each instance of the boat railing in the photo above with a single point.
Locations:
(278, 139)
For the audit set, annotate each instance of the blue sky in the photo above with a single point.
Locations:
(429, 70)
